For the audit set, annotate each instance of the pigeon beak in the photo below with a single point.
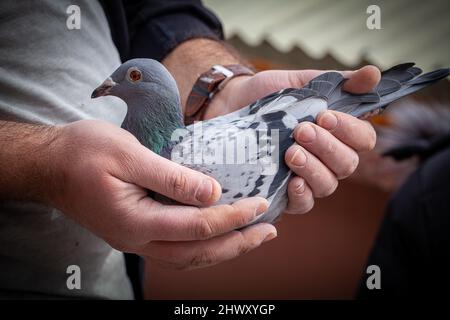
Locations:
(104, 89)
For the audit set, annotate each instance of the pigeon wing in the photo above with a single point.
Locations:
(246, 154)
(280, 112)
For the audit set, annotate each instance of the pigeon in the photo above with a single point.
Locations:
(244, 150)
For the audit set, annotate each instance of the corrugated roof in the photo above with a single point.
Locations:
(412, 30)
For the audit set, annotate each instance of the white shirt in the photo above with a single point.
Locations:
(47, 74)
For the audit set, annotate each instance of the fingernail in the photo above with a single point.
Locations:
(269, 237)
(300, 188)
(328, 121)
(306, 133)
(299, 158)
(204, 191)
(348, 73)
(261, 208)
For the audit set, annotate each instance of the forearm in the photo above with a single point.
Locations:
(193, 57)
(25, 158)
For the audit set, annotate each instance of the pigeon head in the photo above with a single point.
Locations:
(137, 77)
(152, 98)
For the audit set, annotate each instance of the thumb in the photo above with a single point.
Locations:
(362, 80)
(151, 171)
(359, 81)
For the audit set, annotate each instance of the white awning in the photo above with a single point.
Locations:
(411, 30)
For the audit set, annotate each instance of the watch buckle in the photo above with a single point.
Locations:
(226, 72)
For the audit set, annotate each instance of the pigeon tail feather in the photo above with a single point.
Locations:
(395, 83)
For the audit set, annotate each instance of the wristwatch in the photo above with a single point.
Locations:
(207, 85)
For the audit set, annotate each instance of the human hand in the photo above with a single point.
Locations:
(325, 152)
(101, 175)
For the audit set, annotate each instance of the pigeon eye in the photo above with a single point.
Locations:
(134, 75)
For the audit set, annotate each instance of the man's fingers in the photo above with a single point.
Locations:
(151, 171)
(301, 199)
(362, 80)
(186, 223)
(303, 163)
(337, 156)
(357, 134)
(196, 254)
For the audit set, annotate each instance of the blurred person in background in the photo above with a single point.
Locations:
(412, 249)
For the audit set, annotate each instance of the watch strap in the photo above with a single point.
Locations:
(207, 85)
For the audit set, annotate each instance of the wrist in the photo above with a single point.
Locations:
(208, 85)
(223, 101)
(47, 167)
(26, 172)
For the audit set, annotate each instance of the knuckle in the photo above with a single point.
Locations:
(202, 228)
(203, 258)
(330, 148)
(297, 79)
(348, 168)
(177, 266)
(237, 216)
(180, 266)
(176, 263)
(244, 247)
(178, 182)
(246, 244)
